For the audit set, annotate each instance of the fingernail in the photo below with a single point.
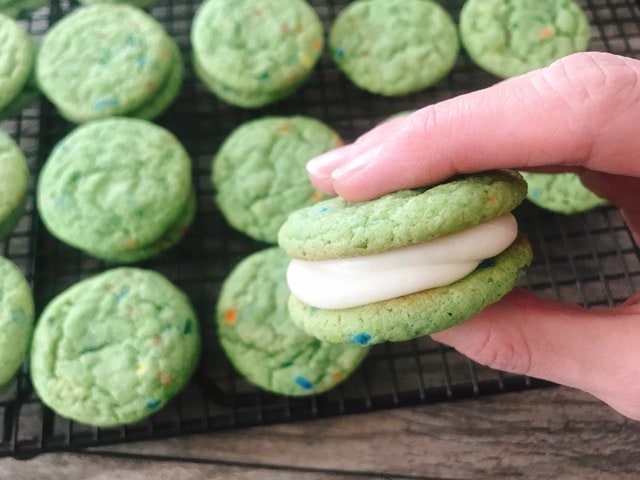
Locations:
(322, 165)
(357, 163)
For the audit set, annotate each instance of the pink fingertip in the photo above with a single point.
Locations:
(323, 165)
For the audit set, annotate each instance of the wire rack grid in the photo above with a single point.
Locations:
(589, 259)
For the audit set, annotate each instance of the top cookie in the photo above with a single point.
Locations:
(253, 52)
(394, 47)
(511, 37)
(259, 172)
(105, 60)
(336, 228)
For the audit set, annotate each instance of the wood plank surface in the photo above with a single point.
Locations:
(546, 434)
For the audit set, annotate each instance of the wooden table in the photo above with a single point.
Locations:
(541, 433)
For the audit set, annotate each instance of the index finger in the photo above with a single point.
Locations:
(582, 111)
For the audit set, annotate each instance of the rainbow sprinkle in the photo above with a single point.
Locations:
(303, 383)
(361, 339)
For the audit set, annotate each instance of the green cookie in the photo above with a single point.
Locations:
(17, 61)
(560, 193)
(336, 228)
(261, 341)
(14, 180)
(16, 319)
(118, 189)
(339, 229)
(511, 37)
(254, 52)
(109, 60)
(259, 172)
(394, 47)
(114, 348)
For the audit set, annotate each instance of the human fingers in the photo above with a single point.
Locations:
(593, 350)
(580, 111)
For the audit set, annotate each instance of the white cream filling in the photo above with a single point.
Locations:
(351, 282)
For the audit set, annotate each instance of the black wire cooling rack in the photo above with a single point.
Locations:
(588, 259)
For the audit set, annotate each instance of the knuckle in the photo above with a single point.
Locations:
(592, 78)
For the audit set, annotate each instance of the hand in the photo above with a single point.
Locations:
(580, 114)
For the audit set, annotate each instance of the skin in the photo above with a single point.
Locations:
(580, 114)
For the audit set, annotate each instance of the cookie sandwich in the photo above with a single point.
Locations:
(17, 65)
(407, 264)
(251, 53)
(118, 189)
(114, 348)
(394, 47)
(511, 37)
(14, 184)
(259, 171)
(108, 60)
(17, 316)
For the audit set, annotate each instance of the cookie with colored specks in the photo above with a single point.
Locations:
(511, 37)
(114, 348)
(407, 264)
(259, 172)
(17, 63)
(394, 47)
(118, 189)
(16, 319)
(560, 193)
(109, 60)
(14, 182)
(261, 341)
(254, 52)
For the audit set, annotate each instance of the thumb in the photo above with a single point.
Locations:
(592, 350)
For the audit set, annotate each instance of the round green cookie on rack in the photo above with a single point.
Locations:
(511, 37)
(109, 60)
(261, 341)
(337, 229)
(254, 52)
(17, 62)
(394, 47)
(14, 182)
(114, 348)
(560, 193)
(16, 319)
(118, 189)
(259, 172)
